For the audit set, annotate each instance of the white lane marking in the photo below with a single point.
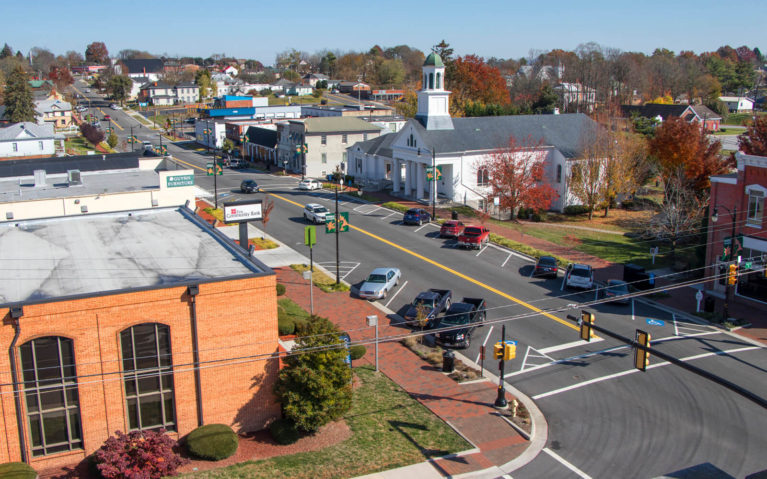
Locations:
(524, 361)
(574, 344)
(565, 463)
(481, 249)
(392, 213)
(533, 353)
(676, 330)
(507, 260)
(485, 341)
(422, 227)
(350, 271)
(373, 210)
(631, 371)
(633, 316)
(395, 294)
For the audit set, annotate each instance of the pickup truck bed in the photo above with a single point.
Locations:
(435, 300)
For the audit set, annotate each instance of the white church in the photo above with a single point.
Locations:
(460, 145)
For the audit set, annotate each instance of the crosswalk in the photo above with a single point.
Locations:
(345, 268)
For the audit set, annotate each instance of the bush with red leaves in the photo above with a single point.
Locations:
(91, 133)
(138, 455)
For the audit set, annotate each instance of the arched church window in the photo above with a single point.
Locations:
(483, 177)
(431, 81)
(439, 77)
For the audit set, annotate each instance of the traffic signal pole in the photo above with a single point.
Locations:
(500, 401)
(338, 256)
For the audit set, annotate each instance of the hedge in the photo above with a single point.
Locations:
(574, 210)
(280, 289)
(212, 441)
(17, 470)
(357, 351)
(284, 431)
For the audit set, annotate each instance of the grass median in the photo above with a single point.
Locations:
(321, 280)
(389, 430)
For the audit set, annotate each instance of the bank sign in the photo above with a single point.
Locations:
(242, 211)
(175, 181)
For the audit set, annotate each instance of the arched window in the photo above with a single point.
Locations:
(424, 81)
(148, 377)
(50, 389)
(439, 77)
(431, 81)
(483, 177)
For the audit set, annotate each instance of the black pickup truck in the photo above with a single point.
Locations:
(434, 301)
(463, 318)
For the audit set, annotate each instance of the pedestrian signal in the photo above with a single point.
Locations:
(641, 355)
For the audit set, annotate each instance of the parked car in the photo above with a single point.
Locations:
(235, 163)
(107, 118)
(433, 301)
(190, 120)
(81, 108)
(147, 145)
(451, 229)
(579, 276)
(309, 184)
(416, 216)
(474, 237)
(379, 283)
(249, 186)
(115, 106)
(315, 213)
(617, 291)
(546, 266)
(464, 317)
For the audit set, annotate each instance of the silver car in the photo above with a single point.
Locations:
(379, 283)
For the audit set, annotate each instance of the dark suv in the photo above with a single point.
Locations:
(249, 186)
(416, 216)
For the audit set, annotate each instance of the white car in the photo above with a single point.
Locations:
(309, 184)
(379, 283)
(115, 106)
(579, 276)
(315, 213)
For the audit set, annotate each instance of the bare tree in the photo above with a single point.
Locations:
(266, 210)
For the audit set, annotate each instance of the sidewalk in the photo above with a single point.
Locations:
(467, 407)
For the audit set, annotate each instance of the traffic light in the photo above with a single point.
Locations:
(732, 276)
(587, 319)
(498, 351)
(641, 356)
(509, 352)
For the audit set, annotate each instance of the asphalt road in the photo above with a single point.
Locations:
(606, 419)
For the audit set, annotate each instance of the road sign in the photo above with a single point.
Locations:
(310, 236)
(430, 173)
(209, 169)
(342, 224)
(654, 322)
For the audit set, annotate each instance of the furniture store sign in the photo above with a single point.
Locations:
(176, 181)
(242, 211)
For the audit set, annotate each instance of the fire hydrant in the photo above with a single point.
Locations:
(514, 406)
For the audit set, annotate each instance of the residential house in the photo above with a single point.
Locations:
(186, 93)
(354, 87)
(311, 79)
(152, 68)
(157, 93)
(574, 97)
(27, 140)
(738, 104)
(460, 146)
(138, 82)
(738, 201)
(326, 141)
(297, 89)
(210, 133)
(230, 71)
(692, 113)
(56, 112)
(42, 90)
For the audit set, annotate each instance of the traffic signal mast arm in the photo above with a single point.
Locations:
(693, 369)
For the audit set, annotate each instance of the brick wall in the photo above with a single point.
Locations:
(236, 319)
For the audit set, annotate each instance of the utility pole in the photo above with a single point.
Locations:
(500, 401)
(338, 255)
(434, 172)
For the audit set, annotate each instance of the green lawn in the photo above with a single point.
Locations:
(294, 100)
(741, 118)
(77, 145)
(389, 430)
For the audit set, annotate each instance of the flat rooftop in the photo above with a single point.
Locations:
(88, 255)
(93, 183)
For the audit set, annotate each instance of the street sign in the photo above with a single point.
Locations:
(174, 181)
(654, 322)
(310, 236)
(342, 224)
(430, 173)
(209, 169)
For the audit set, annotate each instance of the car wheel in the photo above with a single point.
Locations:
(420, 222)
(385, 293)
(447, 305)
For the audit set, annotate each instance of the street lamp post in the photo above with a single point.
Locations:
(728, 288)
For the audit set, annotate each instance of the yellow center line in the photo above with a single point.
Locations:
(450, 270)
(189, 164)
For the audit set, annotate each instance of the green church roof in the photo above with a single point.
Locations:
(433, 60)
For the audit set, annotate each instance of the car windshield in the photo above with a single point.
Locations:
(456, 319)
(249, 182)
(618, 288)
(428, 303)
(547, 262)
(471, 232)
(377, 278)
(320, 209)
(412, 212)
(582, 272)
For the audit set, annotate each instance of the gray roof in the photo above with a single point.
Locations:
(147, 65)
(89, 255)
(380, 145)
(262, 136)
(43, 106)
(564, 132)
(114, 161)
(26, 130)
(337, 124)
(705, 113)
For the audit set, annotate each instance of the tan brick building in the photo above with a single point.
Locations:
(102, 315)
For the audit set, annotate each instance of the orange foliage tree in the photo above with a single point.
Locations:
(515, 176)
(682, 146)
(754, 140)
(471, 79)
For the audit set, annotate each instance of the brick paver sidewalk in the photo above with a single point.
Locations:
(467, 407)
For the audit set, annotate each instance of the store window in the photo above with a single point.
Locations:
(755, 208)
(50, 390)
(148, 377)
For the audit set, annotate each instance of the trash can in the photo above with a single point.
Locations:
(709, 303)
(448, 361)
(454, 215)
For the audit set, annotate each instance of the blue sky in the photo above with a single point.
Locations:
(260, 29)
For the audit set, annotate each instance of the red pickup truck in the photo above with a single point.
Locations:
(474, 237)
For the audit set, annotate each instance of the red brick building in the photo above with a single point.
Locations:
(738, 201)
(126, 321)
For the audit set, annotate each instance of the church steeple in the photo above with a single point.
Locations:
(433, 99)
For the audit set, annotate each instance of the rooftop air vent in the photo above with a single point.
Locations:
(73, 178)
(39, 178)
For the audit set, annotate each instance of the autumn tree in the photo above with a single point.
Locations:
(680, 145)
(60, 76)
(474, 80)
(514, 174)
(587, 175)
(754, 140)
(203, 80)
(18, 97)
(266, 212)
(314, 386)
(97, 52)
